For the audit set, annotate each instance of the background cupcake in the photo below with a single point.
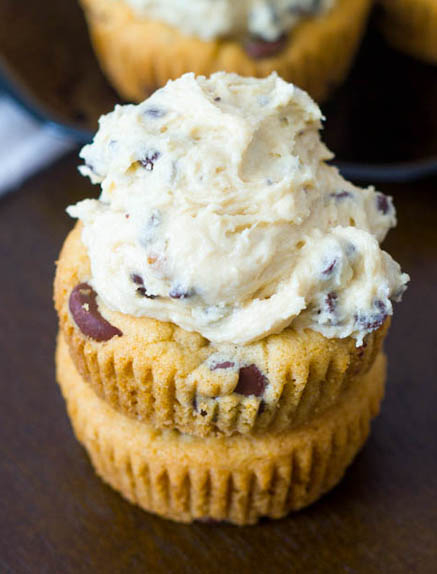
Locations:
(411, 26)
(141, 43)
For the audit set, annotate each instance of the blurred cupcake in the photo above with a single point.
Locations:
(411, 26)
(143, 43)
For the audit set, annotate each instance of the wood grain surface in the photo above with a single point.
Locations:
(56, 516)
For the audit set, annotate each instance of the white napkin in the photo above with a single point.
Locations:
(26, 145)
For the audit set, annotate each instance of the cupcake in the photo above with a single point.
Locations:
(411, 26)
(226, 294)
(143, 43)
(236, 479)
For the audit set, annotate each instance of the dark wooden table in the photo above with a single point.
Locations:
(56, 516)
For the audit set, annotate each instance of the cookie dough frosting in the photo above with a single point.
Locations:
(219, 213)
(209, 19)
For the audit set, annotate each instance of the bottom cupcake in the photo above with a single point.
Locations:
(238, 479)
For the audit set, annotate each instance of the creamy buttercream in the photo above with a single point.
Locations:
(219, 213)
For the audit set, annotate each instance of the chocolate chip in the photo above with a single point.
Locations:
(251, 382)
(374, 319)
(217, 99)
(258, 48)
(223, 365)
(155, 113)
(179, 292)
(383, 203)
(141, 290)
(86, 314)
(331, 300)
(261, 408)
(341, 195)
(202, 412)
(137, 279)
(149, 161)
(330, 268)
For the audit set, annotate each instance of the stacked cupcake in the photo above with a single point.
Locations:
(143, 43)
(223, 304)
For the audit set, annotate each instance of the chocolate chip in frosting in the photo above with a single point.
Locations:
(251, 382)
(329, 269)
(179, 292)
(155, 113)
(383, 203)
(331, 301)
(341, 195)
(84, 309)
(373, 319)
(222, 365)
(141, 289)
(149, 161)
(258, 48)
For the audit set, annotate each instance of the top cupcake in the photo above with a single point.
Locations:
(219, 213)
(266, 19)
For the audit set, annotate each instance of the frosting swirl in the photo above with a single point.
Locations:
(219, 213)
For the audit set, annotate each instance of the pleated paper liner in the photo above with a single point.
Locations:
(237, 479)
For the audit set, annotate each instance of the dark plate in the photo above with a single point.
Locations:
(381, 124)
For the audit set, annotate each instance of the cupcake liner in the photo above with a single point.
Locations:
(238, 479)
(160, 374)
(411, 26)
(139, 55)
